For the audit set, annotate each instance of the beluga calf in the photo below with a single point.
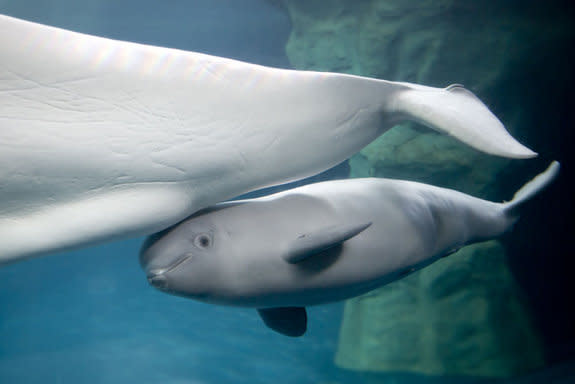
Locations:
(321, 243)
(103, 139)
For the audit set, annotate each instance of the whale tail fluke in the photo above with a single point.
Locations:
(531, 188)
(458, 112)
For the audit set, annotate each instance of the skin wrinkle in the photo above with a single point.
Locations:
(181, 170)
(70, 92)
(146, 122)
(352, 116)
(54, 84)
(244, 161)
(18, 89)
(271, 145)
(54, 121)
(177, 118)
(143, 114)
(66, 118)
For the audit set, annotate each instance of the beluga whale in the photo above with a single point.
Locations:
(321, 243)
(103, 139)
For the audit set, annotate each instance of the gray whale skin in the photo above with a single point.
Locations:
(321, 243)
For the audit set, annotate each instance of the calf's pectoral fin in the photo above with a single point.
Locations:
(289, 321)
(312, 243)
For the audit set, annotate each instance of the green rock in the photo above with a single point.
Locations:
(463, 315)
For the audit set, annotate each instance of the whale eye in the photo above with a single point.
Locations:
(203, 241)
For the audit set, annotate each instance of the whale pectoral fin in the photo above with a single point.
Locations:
(289, 321)
(309, 244)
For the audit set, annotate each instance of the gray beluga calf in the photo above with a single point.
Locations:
(92, 130)
(321, 243)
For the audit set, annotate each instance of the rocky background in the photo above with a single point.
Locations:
(465, 315)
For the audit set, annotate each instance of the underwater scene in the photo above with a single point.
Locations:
(381, 196)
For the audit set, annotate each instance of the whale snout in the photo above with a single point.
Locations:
(158, 280)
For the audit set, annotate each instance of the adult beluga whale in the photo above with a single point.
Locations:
(103, 139)
(320, 243)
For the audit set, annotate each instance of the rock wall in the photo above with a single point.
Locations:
(464, 315)
(478, 323)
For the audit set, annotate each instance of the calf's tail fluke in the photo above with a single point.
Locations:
(458, 112)
(531, 188)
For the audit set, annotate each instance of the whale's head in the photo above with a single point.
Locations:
(185, 259)
(235, 253)
(203, 257)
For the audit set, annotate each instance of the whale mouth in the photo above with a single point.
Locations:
(158, 281)
(171, 267)
(157, 277)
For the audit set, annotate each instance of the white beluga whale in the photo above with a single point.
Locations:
(321, 243)
(103, 139)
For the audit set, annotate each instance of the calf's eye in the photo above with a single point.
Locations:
(203, 240)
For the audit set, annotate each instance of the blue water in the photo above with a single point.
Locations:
(89, 316)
